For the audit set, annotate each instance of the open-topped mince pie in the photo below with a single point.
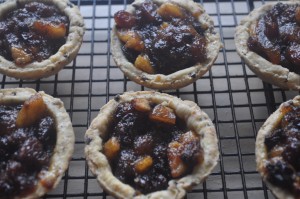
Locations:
(164, 44)
(38, 38)
(268, 40)
(278, 150)
(150, 144)
(36, 143)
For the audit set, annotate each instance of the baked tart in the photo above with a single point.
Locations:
(164, 44)
(278, 150)
(38, 38)
(36, 143)
(268, 41)
(149, 144)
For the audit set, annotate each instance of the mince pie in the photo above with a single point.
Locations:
(38, 38)
(278, 150)
(36, 143)
(268, 40)
(164, 44)
(150, 144)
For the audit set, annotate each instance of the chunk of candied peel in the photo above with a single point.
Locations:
(112, 148)
(131, 39)
(32, 111)
(161, 113)
(141, 104)
(50, 30)
(20, 56)
(142, 62)
(177, 166)
(170, 10)
(184, 153)
(144, 164)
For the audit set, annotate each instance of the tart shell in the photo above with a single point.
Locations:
(56, 62)
(268, 72)
(196, 120)
(182, 77)
(260, 150)
(64, 144)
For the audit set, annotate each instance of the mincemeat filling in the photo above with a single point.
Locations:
(161, 39)
(32, 32)
(275, 36)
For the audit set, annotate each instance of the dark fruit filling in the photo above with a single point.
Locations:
(32, 32)
(283, 146)
(276, 36)
(161, 38)
(148, 146)
(25, 149)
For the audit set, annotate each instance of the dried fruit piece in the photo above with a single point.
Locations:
(164, 25)
(297, 15)
(142, 165)
(125, 35)
(188, 137)
(271, 27)
(275, 152)
(147, 13)
(191, 150)
(170, 10)
(124, 19)
(141, 104)
(52, 31)
(135, 43)
(272, 139)
(273, 55)
(293, 53)
(131, 39)
(161, 113)
(142, 62)
(144, 144)
(177, 166)
(112, 148)
(31, 154)
(280, 174)
(265, 49)
(20, 56)
(184, 153)
(32, 111)
(286, 117)
(198, 49)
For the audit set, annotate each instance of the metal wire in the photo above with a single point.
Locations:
(235, 99)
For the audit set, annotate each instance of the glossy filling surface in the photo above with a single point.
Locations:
(161, 39)
(25, 149)
(148, 146)
(32, 32)
(283, 147)
(275, 36)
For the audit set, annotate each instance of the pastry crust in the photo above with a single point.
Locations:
(182, 77)
(260, 150)
(268, 72)
(64, 144)
(56, 62)
(196, 120)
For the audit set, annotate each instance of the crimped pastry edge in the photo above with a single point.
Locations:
(65, 138)
(268, 72)
(182, 77)
(261, 151)
(195, 119)
(56, 62)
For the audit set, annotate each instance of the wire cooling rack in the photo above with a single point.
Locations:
(235, 99)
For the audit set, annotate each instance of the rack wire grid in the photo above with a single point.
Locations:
(236, 100)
